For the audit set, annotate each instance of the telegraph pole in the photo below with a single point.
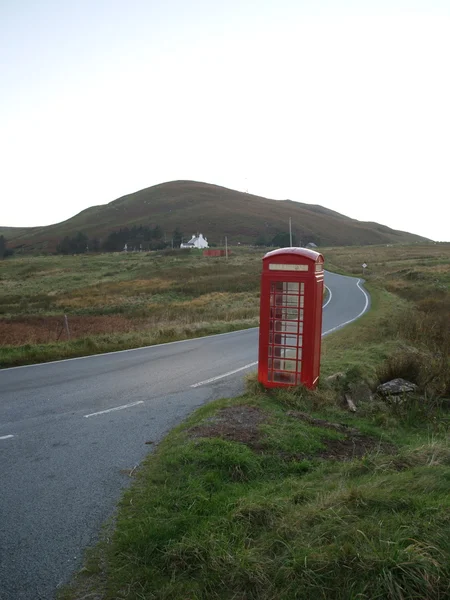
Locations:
(290, 232)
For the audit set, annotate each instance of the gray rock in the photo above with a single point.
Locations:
(335, 378)
(396, 387)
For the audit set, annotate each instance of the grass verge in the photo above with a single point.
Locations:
(13, 356)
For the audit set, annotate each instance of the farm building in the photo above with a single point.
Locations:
(196, 241)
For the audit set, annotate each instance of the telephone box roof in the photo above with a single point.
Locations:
(303, 252)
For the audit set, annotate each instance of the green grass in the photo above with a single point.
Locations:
(364, 342)
(213, 518)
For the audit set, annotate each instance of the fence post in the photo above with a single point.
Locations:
(66, 324)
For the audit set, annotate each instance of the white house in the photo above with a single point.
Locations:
(196, 241)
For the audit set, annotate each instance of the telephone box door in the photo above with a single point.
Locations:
(286, 332)
(290, 317)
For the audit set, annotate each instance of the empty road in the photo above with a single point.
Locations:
(71, 430)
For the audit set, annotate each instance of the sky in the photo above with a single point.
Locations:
(340, 103)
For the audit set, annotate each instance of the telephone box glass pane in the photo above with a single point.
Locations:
(284, 377)
(283, 300)
(282, 352)
(284, 365)
(286, 314)
(291, 287)
(280, 339)
(292, 301)
(285, 326)
(285, 331)
(291, 314)
(289, 340)
(283, 340)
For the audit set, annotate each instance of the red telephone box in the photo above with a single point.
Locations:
(290, 325)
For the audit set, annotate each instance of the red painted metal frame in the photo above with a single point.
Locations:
(290, 330)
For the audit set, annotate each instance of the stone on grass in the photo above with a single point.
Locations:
(351, 405)
(395, 387)
(335, 378)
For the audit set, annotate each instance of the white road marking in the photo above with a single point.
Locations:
(108, 410)
(6, 437)
(357, 317)
(224, 375)
(329, 297)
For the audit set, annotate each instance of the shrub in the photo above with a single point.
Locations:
(406, 364)
(431, 372)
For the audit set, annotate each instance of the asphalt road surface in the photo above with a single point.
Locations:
(70, 430)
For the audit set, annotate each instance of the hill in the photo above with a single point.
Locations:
(215, 211)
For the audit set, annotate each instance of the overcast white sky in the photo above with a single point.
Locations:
(340, 103)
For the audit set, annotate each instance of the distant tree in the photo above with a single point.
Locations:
(80, 243)
(94, 245)
(75, 245)
(2, 247)
(177, 238)
(158, 245)
(116, 240)
(262, 240)
(63, 247)
(282, 240)
(137, 237)
(157, 233)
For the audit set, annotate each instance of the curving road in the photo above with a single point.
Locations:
(70, 431)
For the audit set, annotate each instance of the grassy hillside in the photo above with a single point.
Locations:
(215, 211)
